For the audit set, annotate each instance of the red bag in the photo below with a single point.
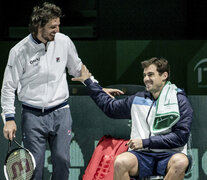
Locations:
(101, 165)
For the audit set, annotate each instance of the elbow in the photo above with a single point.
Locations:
(183, 139)
(108, 114)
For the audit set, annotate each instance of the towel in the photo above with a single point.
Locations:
(167, 110)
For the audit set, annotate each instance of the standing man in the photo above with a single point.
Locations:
(161, 122)
(37, 70)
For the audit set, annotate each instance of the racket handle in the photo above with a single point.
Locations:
(17, 143)
(9, 145)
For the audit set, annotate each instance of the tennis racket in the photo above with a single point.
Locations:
(19, 163)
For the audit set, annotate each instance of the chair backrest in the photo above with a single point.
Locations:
(78, 90)
(128, 89)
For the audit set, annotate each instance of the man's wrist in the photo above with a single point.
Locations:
(9, 119)
(145, 143)
(88, 81)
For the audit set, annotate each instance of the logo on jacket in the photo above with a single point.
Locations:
(57, 59)
(69, 132)
(35, 62)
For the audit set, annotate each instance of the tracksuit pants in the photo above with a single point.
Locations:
(53, 127)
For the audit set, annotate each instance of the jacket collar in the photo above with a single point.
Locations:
(35, 40)
(147, 94)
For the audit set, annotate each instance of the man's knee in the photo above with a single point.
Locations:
(126, 162)
(120, 163)
(179, 162)
(61, 159)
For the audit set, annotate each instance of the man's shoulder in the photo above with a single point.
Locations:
(141, 94)
(142, 98)
(21, 44)
(61, 36)
(183, 100)
(181, 94)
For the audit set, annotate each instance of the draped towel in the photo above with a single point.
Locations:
(167, 110)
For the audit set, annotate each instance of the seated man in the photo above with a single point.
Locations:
(161, 122)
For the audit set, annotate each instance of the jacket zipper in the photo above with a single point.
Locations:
(147, 120)
(46, 89)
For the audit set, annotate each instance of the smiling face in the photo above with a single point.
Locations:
(47, 33)
(154, 81)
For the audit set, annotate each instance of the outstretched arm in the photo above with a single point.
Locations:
(113, 108)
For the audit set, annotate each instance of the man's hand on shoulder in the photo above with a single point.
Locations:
(85, 74)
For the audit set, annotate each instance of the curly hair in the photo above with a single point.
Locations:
(41, 15)
(161, 64)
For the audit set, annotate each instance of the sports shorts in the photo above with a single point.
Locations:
(154, 163)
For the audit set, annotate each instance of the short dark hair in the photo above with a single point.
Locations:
(161, 64)
(42, 14)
